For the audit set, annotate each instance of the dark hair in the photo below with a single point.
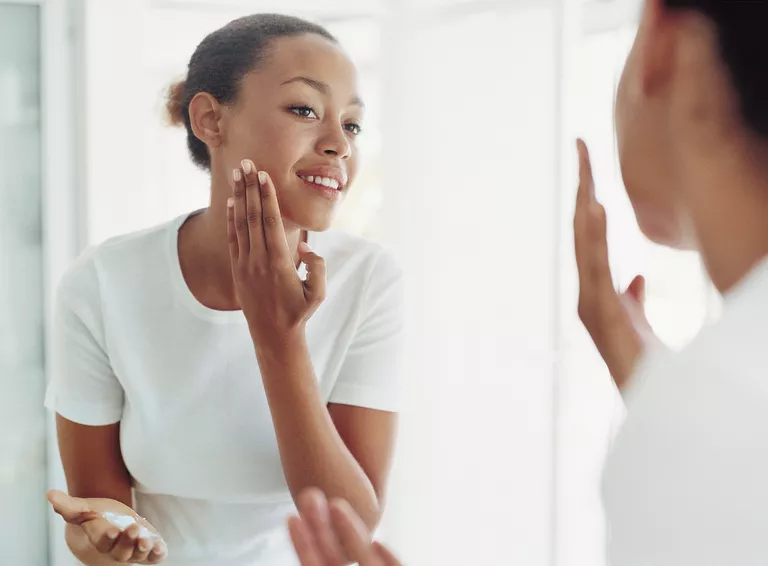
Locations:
(742, 28)
(220, 62)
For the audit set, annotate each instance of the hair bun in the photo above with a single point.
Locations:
(175, 103)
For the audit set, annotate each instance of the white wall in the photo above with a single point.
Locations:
(477, 178)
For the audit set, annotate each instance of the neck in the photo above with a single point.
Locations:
(213, 228)
(729, 210)
(204, 254)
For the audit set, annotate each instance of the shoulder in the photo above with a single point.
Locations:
(345, 252)
(112, 257)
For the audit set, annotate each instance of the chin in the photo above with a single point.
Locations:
(667, 231)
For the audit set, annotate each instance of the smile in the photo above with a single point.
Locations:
(322, 181)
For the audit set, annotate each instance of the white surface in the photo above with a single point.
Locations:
(473, 169)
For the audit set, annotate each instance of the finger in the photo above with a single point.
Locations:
(581, 217)
(353, 534)
(315, 283)
(596, 260)
(241, 223)
(304, 543)
(253, 212)
(142, 550)
(586, 191)
(126, 544)
(386, 555)
(72, 509)
(234, 250)
(159, 553)
(637, 289)
(102, 534)
(313, 507)
(274, 231)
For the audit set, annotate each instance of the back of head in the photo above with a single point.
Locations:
(742, 29)
(222, 59)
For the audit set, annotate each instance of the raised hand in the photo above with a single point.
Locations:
(271, 293)
(615, 321)
(113, 528)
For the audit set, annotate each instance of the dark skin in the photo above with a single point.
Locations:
(298, 114)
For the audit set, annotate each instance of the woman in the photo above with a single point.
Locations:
(686, 480)
(191, 386)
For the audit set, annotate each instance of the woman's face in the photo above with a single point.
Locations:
(297, 117)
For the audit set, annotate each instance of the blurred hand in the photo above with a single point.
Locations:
(615, 321)
(334, 535)
(139, 543)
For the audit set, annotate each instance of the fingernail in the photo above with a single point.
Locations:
(304, 247)
(237, 175)
(262, 177)
(144, 545)
(230, 202)
(112, 535)
(247, 166)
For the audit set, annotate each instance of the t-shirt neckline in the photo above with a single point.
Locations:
(181, 288)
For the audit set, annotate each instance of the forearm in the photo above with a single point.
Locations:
(311, 450)
(84, 551)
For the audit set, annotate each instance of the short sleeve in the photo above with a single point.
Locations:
(83, 388)
(370, 375)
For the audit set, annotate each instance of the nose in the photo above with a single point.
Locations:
(335, 142)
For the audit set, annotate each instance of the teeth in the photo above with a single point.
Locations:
(324, 181)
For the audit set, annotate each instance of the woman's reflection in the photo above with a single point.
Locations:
(195, 396)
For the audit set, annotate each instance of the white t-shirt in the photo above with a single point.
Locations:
(132, 344)
(687, 480)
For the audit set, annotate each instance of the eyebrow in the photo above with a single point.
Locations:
(322, 88)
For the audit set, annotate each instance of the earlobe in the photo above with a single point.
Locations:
(205, 118)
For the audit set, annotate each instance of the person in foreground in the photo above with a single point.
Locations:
(685, 482)
(201, 379)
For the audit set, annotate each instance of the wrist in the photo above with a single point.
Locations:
(280, 346)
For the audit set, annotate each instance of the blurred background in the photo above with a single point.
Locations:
(469, 176)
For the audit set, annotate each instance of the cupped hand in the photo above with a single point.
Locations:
(113, 528)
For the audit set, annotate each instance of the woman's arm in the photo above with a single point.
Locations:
(345, 451)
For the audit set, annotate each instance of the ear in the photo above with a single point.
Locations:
(205, 118)
(656, 46)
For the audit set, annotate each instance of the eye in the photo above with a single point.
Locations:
(354, 129)
(303, 111)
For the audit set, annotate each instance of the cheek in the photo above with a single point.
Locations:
(273, 145)
(353, 165)
(623, 107)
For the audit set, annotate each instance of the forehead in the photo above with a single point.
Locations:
(312, 56)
